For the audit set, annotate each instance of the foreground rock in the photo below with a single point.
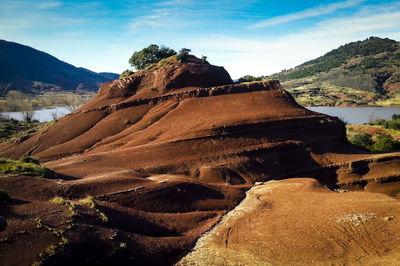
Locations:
(164, 154)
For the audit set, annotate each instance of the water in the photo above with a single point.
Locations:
(358, 115)
(44, 115)
(352, 115)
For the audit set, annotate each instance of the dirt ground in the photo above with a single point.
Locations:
(298, 222)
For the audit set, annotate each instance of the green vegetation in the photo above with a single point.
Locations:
(93, 205)
(150, 55)
(337, 57)
(379, 135)
(52, 249)
(22, 167)
(4, 197)
(388, 124)
(250, 78)
(12, 130)
(204, 59)
(126, 73)
(384, 142)
(59, 200)
(359, 73)
(89, 201)
(154, 57)
(183, 53)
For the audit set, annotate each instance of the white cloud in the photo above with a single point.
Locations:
(49, 5)
(307, 13)
(241, 56)
(159, 18)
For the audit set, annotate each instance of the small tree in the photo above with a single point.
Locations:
(204, 59)
(15, 100)
(150, 55)
(183, 53)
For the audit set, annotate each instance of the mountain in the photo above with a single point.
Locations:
(359, 73)
(28, 70)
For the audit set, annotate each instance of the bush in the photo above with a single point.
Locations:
(393, 125)
(249, 78)
(385, 142)
(183, 53)
(126, 73)
(363, 140)
(32, 168)
(4, 197)
(28, 159)
(396, 117)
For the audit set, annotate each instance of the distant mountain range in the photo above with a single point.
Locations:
(28, 70)
(359, 73)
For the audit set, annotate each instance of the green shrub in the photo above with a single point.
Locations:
(183, 53)
(249, 78)
(363, 140)
(21, 167)
(204, 59)
(4, 197)
(28, 159)
(385, 142)
(126, 73)
(393, 124)
(396, 117)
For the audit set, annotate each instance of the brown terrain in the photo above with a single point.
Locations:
(179, 160)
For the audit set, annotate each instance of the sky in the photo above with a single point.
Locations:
(246, 37)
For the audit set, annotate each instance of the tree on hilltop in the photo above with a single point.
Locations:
(150, 55)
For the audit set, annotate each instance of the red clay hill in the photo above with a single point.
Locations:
(165, 153)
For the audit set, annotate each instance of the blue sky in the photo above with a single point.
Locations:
(246, 37)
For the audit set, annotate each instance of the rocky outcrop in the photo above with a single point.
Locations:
(169, 74)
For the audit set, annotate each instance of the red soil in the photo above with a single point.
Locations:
(165, 152)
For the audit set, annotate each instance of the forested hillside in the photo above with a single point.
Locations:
(359, 73)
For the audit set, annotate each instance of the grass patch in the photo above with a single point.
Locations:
(59, 200)
(25, 166)
(93, 205)
(12, 130)
(89, 201)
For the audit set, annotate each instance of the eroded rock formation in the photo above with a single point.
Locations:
(167, 151)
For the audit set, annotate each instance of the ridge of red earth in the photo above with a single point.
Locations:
(165, 152)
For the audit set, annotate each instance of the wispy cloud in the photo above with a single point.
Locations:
(49, 5)
(307, 13)
(158, 18)
(253, 56)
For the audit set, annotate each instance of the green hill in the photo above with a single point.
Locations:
(28, 70)
(359, 73)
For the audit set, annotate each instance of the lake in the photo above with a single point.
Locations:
(358, 115)
(44, 115)
(352, 115)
